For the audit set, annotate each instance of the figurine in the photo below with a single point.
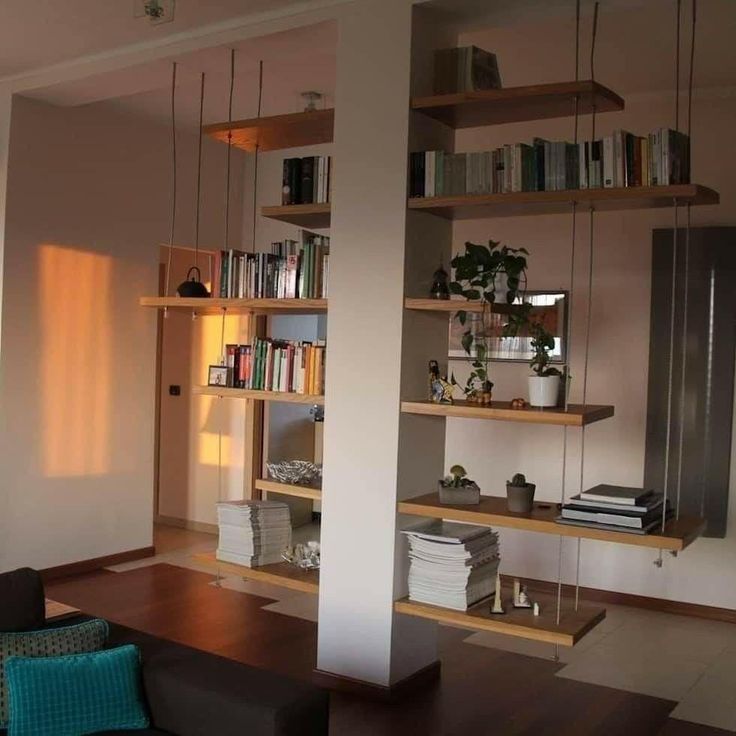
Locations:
(518, 403)
(536, 608)
(439, 288)
(521, 597)
(440, 391)
(497, 605)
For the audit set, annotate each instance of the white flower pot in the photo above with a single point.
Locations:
(544, 390)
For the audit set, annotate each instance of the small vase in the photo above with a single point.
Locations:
(544, 390)
(468, 495)
(520, 499)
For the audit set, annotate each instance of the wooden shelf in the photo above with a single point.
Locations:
(237, 306)
(518, 622)
(478, 206)
(515, 104)
(278, 131)
(289, 489)
(304, 215)
(492, 511)
(457, 305)
(287, 397)
(282, 574)
(575, 416)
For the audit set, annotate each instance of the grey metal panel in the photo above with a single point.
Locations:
(710, 325)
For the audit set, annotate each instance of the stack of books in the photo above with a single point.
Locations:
(292, 270)
(253, 533)
(451, 565)
(618, 160)
(616, 508)
(306, 180)
(465, 69)
(277, 365)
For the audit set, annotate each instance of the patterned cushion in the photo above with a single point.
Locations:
(76, 694)
(89, 636)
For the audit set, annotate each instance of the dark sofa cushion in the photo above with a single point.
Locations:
(22, 605)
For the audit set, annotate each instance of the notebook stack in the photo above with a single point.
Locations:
(451, 565)
(253, 533)
(616, 508)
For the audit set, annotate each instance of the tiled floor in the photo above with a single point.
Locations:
(691, 661)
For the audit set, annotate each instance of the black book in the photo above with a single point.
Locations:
(416, 174)
(651, 502)
(612, 518)
(307, 188)
(291, 181)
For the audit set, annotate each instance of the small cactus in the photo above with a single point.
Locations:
(518, 480)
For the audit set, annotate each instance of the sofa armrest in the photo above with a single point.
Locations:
(192, 693)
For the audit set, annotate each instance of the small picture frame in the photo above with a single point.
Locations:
(217, 376)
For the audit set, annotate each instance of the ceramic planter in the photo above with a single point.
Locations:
(468, 495)
(520, 499)
(544, 390)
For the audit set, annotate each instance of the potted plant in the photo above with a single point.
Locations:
(520, 494)
(544, 385)
(457, 488)
(485, 274)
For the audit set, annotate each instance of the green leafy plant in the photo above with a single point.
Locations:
(542, 342)
(457, 478)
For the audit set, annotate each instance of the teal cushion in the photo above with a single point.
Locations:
(89, 636)
(76, 694)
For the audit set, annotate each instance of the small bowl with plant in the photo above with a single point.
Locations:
(457, 489)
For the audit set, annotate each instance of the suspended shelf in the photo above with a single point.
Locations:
(518, 622)
(492, 511)
(288, 489)
(288, 397)
(456, 305)
(282, 574)
(575, 416)
(303, 215)
(237, 306)
(479, 206)
(278, 131)
(515, 104)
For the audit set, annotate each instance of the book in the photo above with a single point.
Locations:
(617, 494)
(652, 526)
(635, 521)
(653, 501)
(305, 180)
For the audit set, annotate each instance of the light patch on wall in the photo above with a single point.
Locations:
(75, 372)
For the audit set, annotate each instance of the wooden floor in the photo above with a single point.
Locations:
(482, 691)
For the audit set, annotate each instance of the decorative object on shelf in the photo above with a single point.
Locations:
(295, 472)
(497, 607)
(535, 609)
(518, 403)
(193, 286)
(465, 69)
(544, 387)
(311, 99)
(440, 391)
(217, 375)
(520, 494)
(304, 556)
(440, 288)
(457, 489)
(521, 596)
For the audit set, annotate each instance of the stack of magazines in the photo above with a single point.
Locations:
(616, 508)
(253, 533)
(451, 565)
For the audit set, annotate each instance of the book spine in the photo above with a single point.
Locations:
(307, 187)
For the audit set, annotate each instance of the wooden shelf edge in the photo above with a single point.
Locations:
(244, 306)
(288, 489)
(303, 215)
(282, 574)
(244, 393)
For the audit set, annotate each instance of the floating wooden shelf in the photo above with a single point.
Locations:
(515, 104)
(479, 206)
(575, 416)
(457, 305)
(282, 574)
(304, 215)
(519, 622)
(289, 489)
(245, 393)
(277, 132)
(492, 511)
(237, 306)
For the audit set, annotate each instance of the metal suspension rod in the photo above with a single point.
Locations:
(255, 160)
(173, 181)
(229, 146)
(199, 170)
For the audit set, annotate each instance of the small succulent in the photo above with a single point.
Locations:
(518, 480)
(457, 478)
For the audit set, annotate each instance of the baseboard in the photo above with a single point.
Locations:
(697, 610)
(418, 681)
(192, 526)
(96, 563)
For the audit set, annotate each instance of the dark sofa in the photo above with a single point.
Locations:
(189, 692)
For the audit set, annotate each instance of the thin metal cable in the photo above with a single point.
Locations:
(229, 146)
(199, 171)
(173, 182)
(255, 160)
(223, 361)
(677, 66)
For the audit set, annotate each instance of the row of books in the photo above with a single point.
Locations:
(292, 270)
(465, 69)
(618, 160)
(253, 533)
(451, 565)
(277, 365)
(306, 180)
(616, 508)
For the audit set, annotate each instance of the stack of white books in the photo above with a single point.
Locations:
(451, 565)
(253, 533)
